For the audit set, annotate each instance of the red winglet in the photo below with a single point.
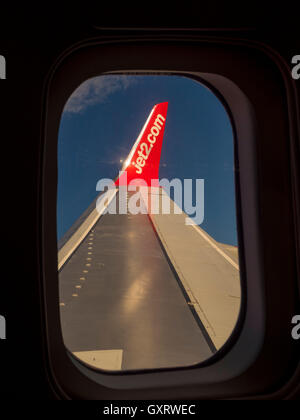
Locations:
(143, 160)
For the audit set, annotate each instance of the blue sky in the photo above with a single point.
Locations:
(102, 120)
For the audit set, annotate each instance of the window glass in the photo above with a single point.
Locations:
(148, 271)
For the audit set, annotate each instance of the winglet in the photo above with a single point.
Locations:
(142, 163)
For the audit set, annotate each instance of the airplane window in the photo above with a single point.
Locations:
(146, 223)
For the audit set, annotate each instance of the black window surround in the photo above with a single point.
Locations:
(254, 85)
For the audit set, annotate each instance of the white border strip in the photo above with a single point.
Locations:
(196, 227)
(199, 230)
(234, 264)
(136, 143)
(67, 250)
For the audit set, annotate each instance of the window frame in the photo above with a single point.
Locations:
(251, 345)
